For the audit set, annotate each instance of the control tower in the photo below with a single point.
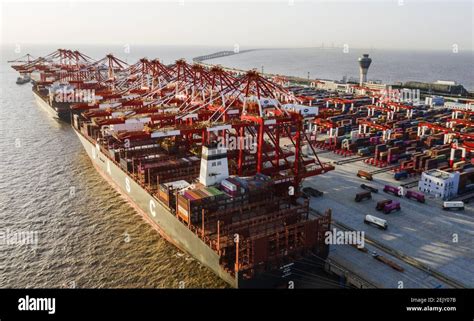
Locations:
(364, 63)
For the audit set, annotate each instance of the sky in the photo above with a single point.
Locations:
(394, 24)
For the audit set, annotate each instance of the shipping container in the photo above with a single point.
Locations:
(378, 222)
(392, 206)
(362, 196)
(397, 191)
(365, 175)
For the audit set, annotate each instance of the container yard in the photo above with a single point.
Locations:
(217, 159)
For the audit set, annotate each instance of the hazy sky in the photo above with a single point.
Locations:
(416, 24)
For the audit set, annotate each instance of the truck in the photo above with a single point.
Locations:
(369, 188)
(392, 206)
(397, 191)
(416, 196)
(376, 221)
(453, 205)
(365, 175)
(400, 175)
(381, 205)
(362, 196)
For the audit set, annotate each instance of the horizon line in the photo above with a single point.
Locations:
(373, 48)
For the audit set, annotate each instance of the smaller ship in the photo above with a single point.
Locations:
(23, 80)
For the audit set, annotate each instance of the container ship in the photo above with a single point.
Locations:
(206, 197)
(64, 77)
(247, 230)
(43, 99)
(215, 158)
(200, 154)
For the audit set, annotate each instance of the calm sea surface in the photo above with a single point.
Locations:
(92, 238)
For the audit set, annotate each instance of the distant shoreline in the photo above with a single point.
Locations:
(307, 82)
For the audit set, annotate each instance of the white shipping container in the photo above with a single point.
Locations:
(129, 127)
(230, 186)
(302, 109)
(453, 205)
(109, 105)
(376, 220)
(157, 134)
(142, 120)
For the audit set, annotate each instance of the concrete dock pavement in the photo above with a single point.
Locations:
(442, 241)
(378, 273)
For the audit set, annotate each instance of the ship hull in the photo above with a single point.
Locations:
(166, 223)
(53, 112)
(174, 231)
